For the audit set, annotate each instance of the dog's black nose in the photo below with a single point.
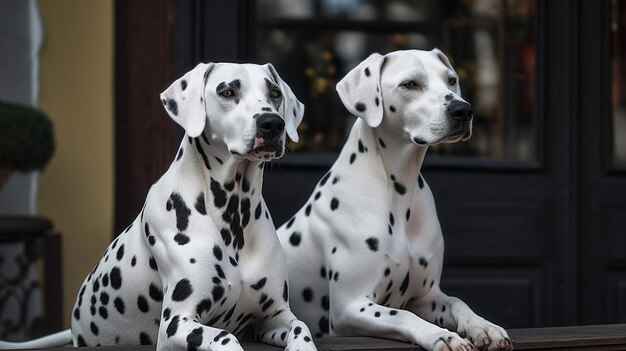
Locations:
(270, 125)
(460, 110)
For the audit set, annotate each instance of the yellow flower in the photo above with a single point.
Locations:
(331, 69)
(309, 72)
(320, 85)
(399, 40)
(318, 137)
(327, 56)
(462, 73)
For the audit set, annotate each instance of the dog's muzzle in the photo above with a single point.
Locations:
(460, 111)
(268, 140)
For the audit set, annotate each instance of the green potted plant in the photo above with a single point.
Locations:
(26, 139)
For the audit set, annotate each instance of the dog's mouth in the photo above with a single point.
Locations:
(266, 150)
(463, 133)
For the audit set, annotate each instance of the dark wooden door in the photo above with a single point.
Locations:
(602, 204)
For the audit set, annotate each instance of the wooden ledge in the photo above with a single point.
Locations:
(594, 337)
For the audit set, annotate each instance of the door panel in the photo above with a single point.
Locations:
(603, 178)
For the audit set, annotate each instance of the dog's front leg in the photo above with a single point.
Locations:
(197, 282)
(363, 317)
(182, 332)
(452, 313)
(285, 330)
(181, 328)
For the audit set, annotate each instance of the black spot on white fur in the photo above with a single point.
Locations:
(399, 187)
(307, 294)
(172, 106)
(182, 290)
(199, 205)
(182, 211)
(142, 304)
(405, 284)
(194, 339)
(259, 284)
(119, 305)
(295, 238)
(372, 243)
(290, 223)
(324, 179)
(144, 339)
(181, 239)
(116, 278)
(217, 252)
(219, 195)
(334, 203)
(359, 106)
(172, 328)
(155, 293)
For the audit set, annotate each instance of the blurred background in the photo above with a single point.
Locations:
(533, 206)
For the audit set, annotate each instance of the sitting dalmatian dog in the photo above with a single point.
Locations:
(202, 259)
(365, 253)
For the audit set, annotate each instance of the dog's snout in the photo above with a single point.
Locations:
(460, 110)
(270, 124)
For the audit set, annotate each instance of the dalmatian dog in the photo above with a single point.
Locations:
(365, 252)
(202, 259)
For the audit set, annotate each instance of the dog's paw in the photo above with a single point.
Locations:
(486, 335)
(300, 338)
(222, 345)
(448, 341)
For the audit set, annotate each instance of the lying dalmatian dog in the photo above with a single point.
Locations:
(202, 259)
(365, 253)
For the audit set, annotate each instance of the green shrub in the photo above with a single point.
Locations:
(26, 138)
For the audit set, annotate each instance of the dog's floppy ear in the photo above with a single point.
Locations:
(360, 90)
(184, 99)
(442, 57)
(291, 109)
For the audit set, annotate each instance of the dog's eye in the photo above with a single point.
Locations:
(410, 84)
(452, 80)
(227, 93)
(275, 94)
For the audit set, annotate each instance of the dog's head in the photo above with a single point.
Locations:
(414, 92)
(247, 108)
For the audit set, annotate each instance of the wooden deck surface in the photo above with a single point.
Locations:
(597, 337)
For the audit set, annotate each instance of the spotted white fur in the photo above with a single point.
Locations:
(365, 252)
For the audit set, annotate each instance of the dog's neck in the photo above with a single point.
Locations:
(243, 175)
(401, 159)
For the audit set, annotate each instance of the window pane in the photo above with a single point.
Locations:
(362, 10)
(618, 74)
(490, 43)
